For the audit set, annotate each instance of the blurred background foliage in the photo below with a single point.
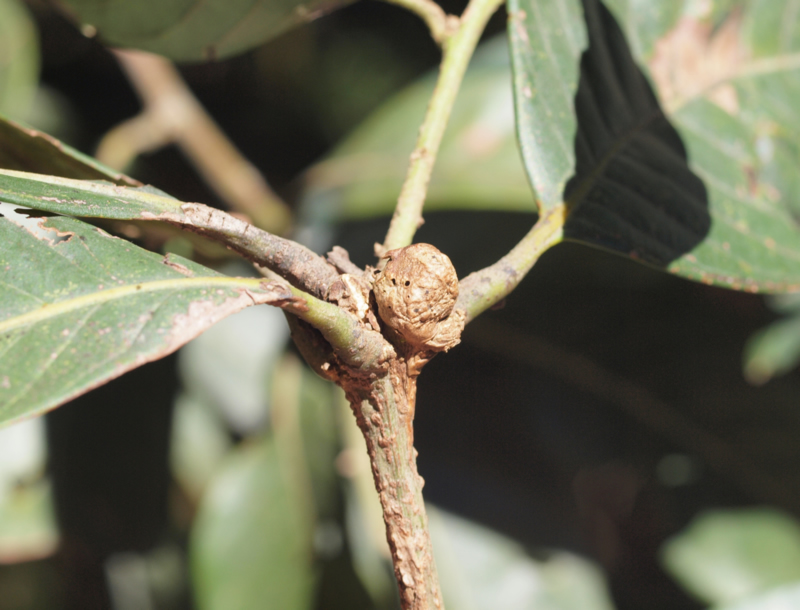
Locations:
(592, 445)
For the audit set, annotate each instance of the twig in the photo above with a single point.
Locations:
(292, 261)
(482, 289)
(441, 25)
(458, 49)
(172, 113)
(362, 350)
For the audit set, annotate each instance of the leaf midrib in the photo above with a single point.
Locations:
(49, 311)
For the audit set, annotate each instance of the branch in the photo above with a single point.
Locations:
(172, 114)
(458, 49)
(440, 24)
(360, 349)
(292, 261)
(90, 199)
(485, 288)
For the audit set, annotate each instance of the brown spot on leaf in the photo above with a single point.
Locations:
(694, 59)
(183, 269)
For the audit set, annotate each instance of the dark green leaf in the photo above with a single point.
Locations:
(29, 150)
(251, 545)
(547, 39)
(191, 30)
(80, 307)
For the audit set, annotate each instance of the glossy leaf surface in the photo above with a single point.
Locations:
(547, 40)
(80, 307)
(192, 30)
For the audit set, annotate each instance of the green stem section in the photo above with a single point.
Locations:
(357, 347)
(485, 288)
(458, 50)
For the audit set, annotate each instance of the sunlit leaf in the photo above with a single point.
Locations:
(189, 30)
(635, 189)
(725, 556)
(85, 198)
(79, 307)
(251, 545)
(482, 570)
(782, 598)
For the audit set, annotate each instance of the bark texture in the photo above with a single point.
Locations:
(384, 410)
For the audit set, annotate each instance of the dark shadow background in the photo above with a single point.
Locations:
(551, 422)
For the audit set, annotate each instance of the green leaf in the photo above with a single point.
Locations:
(725, 556)
(482, 570)
(29, 150)
(251, 545)
(191, 30)
(775, 350)
(478, 165)
(634, 188)
(85, 198)
(19, 58)
(547, 39)
(778, 599)
(79, 307)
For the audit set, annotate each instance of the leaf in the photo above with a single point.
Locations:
(19, 58)
(85, 198)
(547, 39)
(725, 556)
(478, 165)
(775, 350)
(250, 545)
(191, 30)
(226, 366)
(26, 149)
(79, 307)
(635, 190)
(781, 598)
(482, 570)
(631, 189)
